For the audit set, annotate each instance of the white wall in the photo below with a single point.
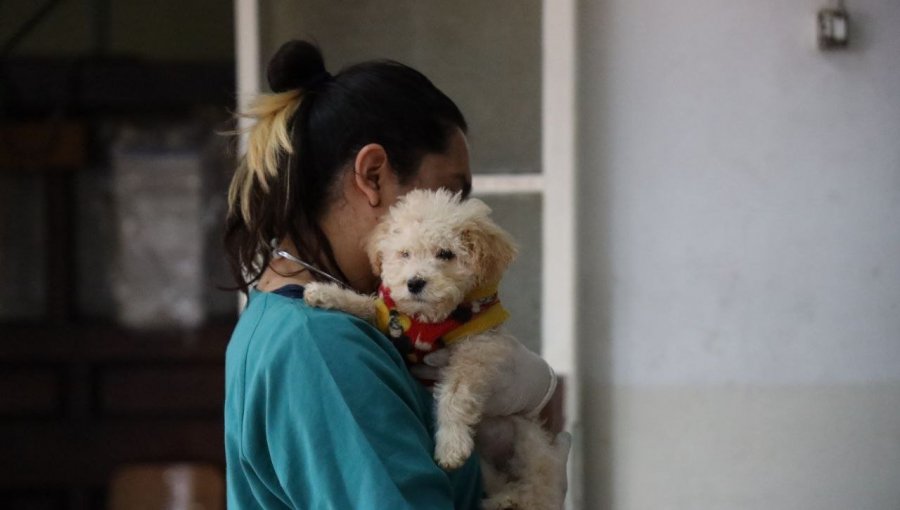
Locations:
(740, 251)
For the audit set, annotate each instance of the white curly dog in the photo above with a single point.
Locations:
(434, 252)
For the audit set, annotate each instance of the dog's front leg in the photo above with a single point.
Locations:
(468, 377)
(329, 295)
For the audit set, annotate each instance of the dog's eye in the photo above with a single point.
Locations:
(445, 255)
(404, 254)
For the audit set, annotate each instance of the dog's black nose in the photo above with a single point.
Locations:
(415, 284)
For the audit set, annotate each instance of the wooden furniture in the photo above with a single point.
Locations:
(167, 487)
(78, 402)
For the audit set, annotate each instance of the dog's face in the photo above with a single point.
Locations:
(432, 248)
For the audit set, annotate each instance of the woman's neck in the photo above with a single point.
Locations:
(347, 227)
(283, 272)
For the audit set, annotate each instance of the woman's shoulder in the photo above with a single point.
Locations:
(284, 349)
(277, 328)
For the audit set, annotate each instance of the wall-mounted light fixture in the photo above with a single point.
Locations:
(833, 27)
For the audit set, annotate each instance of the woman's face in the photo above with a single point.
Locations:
(449, 170)
(368, 196)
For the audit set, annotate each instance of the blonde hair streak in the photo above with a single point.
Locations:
(267, 140)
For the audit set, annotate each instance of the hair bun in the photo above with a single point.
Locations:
(296, 65)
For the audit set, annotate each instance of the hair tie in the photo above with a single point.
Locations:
(318, 80)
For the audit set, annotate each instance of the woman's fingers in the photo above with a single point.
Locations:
(426, 373)
(439, 358)
(553, 415)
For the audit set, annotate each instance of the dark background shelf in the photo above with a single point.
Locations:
(97, 342)
(79, 401)
(80, 396)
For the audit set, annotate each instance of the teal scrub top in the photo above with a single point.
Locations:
(321, 413)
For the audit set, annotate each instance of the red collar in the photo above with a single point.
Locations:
(416, 337)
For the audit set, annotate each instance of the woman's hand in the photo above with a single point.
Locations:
(525, 385)
(553, 414)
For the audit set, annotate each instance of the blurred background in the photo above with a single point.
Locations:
(707, 196)
(112, 331)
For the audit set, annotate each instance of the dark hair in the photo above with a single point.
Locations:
(307, 132)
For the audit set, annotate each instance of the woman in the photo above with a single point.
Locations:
(320, 411)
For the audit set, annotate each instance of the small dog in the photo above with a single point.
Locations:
(440, 259)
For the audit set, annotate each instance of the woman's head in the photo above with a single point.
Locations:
(345, 145)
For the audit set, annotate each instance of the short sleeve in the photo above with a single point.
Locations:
(340, 424)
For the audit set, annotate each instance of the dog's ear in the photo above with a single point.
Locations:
(374, 245)
(491, 247)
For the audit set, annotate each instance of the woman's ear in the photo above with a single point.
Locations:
(370, 171)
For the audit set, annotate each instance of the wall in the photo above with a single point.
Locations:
(740, 252)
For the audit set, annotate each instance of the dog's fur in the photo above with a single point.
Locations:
(406, 244)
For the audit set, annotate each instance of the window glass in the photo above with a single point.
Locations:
(520, 291)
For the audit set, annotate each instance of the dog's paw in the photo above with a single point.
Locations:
(317, 294)
(312, 294)
(453, 445)
(501, 501)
